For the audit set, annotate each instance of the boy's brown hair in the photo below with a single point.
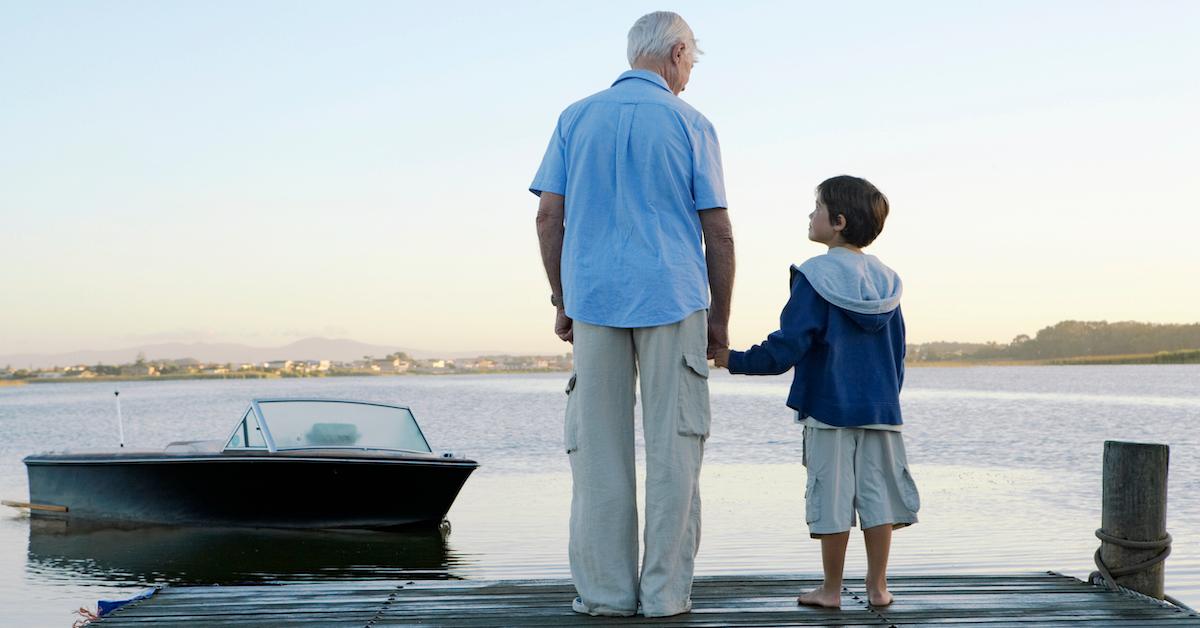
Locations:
(864, 207)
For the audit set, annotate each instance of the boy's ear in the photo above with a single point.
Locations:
(839, 222)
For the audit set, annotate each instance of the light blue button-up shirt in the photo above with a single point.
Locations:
(635, 164)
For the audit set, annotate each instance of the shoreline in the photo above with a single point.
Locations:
(198, 376)
(1151, 359)
(1185, 356)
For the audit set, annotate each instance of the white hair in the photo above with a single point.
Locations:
(654, 34)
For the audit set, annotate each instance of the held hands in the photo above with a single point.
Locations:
(721, 358)
(564, 327)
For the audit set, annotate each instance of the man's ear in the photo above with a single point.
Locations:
(678, 52)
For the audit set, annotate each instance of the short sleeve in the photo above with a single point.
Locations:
(552, 174)
(708, 177)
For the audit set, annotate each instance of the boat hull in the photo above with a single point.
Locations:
(90, 552)
(261, 490)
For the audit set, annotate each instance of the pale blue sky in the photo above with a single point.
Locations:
(261, 171)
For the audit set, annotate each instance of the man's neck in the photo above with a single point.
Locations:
(660, 68)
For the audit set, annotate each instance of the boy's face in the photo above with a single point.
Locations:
(819, 229)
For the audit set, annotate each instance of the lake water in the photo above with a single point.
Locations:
(1008, 461)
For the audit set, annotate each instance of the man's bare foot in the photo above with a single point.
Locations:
(879, 598)
(821, 597)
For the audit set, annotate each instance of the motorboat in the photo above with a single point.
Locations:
(289, 463)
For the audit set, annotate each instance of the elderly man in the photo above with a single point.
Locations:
(634, 233)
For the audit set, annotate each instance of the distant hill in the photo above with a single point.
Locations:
(339, 349)
(1070, 339)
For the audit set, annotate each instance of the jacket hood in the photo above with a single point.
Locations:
(858, 283)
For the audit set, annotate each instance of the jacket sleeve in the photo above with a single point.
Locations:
(801, 321)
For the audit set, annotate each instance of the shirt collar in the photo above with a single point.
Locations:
(645, 75)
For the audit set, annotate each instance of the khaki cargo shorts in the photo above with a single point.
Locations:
(857, 471)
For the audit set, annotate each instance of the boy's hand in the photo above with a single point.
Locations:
(721, 358)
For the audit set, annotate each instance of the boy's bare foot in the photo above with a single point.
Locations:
(879, 598)
(821, 597)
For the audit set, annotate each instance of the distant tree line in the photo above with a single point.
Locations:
(1070, 339)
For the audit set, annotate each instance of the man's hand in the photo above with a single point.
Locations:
(564, 327)
(721, 358)
(718, 337)
(551, 210)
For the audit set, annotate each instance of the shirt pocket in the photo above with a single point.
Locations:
(571, 420)
(695, 415)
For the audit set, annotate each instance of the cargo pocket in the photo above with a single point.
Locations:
(570, 421)
(694, 412)
(908, 492)
(812, 500)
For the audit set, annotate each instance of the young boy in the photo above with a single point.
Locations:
(843, 332)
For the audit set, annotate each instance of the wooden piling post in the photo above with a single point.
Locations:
(1135, 509)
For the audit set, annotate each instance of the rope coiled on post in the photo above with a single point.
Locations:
(1108, 577)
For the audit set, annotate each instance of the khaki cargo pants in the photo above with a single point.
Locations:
(599, 438)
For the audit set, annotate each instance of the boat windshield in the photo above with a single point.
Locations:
(307, 424)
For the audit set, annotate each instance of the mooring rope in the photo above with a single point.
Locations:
(1108, 577)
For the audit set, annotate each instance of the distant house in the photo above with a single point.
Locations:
(278, 365)
(139, 370)
(389, 365)
(437, 364)
(311, 365)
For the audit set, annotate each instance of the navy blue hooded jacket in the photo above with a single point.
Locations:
(843, 332)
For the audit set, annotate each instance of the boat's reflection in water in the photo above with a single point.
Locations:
(117, 554)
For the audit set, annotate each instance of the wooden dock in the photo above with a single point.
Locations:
(1039, 599)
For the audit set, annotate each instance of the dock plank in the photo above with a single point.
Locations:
(1041, 599)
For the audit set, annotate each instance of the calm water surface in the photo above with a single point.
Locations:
(1007, 459)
